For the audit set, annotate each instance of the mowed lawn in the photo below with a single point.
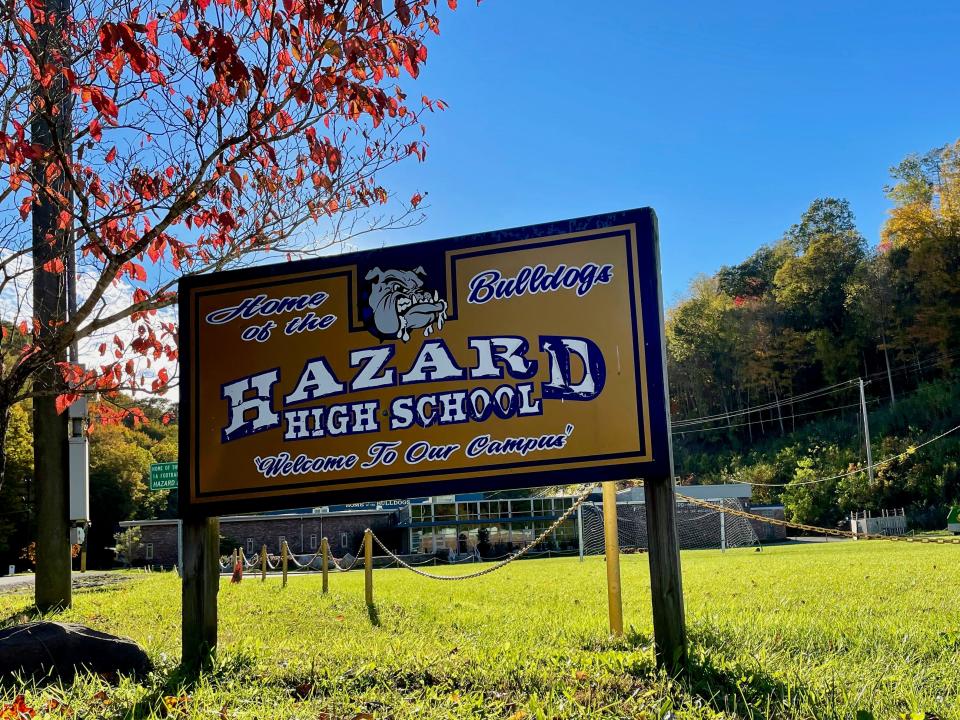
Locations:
(858, 630)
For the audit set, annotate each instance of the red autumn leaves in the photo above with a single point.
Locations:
(205, 130)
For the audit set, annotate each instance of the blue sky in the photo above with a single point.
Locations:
(727, 118)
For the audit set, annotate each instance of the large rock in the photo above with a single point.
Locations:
(56, 651)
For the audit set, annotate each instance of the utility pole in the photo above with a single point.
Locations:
(51, 127)
(866, 431)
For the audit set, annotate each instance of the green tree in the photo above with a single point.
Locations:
(753, 278)
(922, 238)
(119, 477)
(812, 286)
(699, 348)
(15, 500)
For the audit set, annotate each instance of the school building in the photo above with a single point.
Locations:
(451, 526)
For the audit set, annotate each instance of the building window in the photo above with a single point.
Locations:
(344, 540)
(149, 551)
(445, 511)
(250, 549)
(313, 542)
(421, 513)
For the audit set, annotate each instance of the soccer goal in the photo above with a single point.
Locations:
(697, 527)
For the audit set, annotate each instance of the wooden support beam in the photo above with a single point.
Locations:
(201, 581)
(666, 586)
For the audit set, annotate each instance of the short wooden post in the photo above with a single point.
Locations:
(201, 581)
(368, 564)
(612, 549)
(666, 587)
(284, 553)
(233, 559)
(324, 563)
(263, 563)
(83, 556)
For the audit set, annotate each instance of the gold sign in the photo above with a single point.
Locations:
(509, 359)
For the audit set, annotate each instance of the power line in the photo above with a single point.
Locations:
(906, 453)
(904, 369)
(910, 367)
(820, 392)
(785, 417)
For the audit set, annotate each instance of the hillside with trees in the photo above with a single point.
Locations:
(765, 357)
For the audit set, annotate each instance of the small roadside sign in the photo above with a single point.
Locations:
(163, 476)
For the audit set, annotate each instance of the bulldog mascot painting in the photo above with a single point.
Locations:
(401, 304)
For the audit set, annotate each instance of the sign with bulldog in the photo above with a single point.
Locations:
(524, 357)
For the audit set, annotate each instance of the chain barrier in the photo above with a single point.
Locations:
(503, 563)
(819, 530)
(308, 564)
(274, 561)
(356, 559)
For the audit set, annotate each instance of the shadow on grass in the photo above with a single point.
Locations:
(716, 673)
(183, 680)
(632, 640)
(735, 684)
(27, 613)
(374, 615)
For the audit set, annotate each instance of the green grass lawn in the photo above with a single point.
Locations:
(858, 630)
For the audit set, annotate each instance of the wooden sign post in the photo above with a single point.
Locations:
(517, 358)
(666, 584)
(201, 582)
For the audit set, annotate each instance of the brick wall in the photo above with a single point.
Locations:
(765, 531)
(302, 533)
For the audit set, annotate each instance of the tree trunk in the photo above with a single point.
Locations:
(50, 447)
(4, 421)
(776, 397)
(886, 359)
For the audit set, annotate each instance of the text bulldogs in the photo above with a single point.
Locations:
(251, 400)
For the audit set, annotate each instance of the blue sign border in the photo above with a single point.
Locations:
(432, 256)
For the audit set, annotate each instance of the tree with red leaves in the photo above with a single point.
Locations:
(151, 139)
